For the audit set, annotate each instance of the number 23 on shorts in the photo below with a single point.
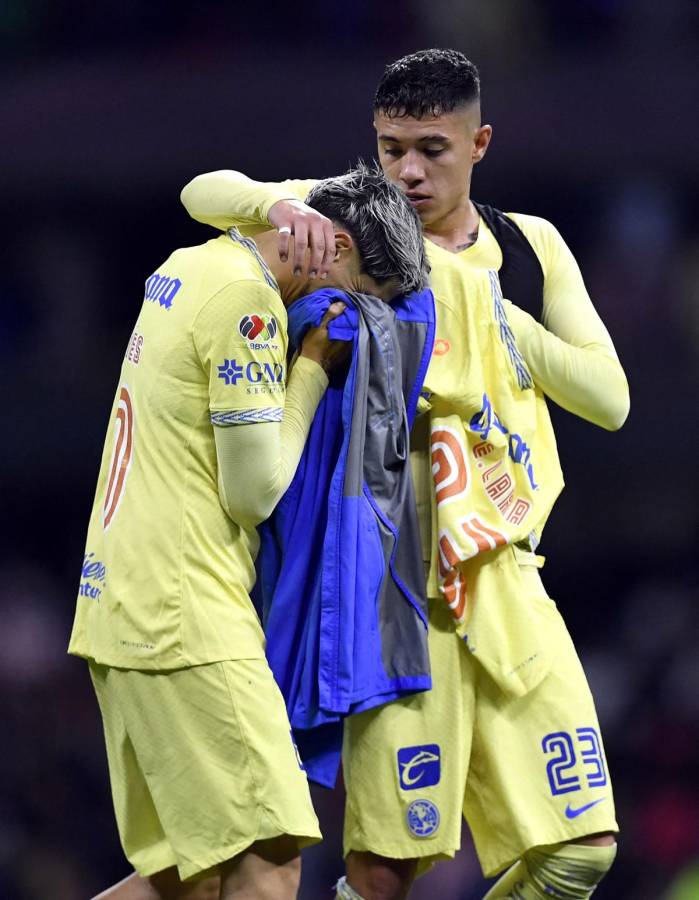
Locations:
(566, 751)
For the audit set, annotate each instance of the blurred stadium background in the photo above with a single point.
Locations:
(108, 108)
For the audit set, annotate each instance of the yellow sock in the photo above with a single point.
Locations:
(504, 885)
(562, 871)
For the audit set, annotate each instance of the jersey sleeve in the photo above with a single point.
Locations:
(240, 338)
(226, 198)
(571, 355)
(250, 493)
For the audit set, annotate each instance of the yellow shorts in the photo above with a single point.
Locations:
(201, 764)
(523, 772)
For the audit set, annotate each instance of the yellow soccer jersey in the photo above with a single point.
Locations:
(570, 355)
(567, 308)
(471, 352)
(166, 572)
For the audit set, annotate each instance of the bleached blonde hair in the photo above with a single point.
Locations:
(383, 224)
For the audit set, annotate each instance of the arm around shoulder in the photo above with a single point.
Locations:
(227, 198)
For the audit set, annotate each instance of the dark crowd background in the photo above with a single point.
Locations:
(108, 109)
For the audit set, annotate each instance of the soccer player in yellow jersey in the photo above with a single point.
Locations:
(205, 436)
(528, 772)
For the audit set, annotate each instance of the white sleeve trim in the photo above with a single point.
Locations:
(247, 416)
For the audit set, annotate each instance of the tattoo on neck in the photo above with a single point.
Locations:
(472, 238)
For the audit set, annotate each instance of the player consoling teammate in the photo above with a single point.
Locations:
(526, 766)
(206, 433)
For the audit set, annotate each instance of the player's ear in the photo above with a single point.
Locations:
(344, 244)
(481, 140)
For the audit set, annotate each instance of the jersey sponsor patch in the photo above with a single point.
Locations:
(258, 330)
(93, 577)
(230, 371)
(422, 818)
(419, 767)
(161, 289)
(441, 347)
(133, 351)
(487, 419)
(256, 377)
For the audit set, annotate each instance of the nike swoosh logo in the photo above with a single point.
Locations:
(574, 813)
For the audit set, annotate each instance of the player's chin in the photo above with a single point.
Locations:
(425, 209)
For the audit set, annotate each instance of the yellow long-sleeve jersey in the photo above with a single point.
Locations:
(570, 355)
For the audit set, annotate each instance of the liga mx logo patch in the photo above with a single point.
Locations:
(422, 818)
(258, 328)
(419, 767)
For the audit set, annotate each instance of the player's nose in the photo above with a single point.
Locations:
(411, 171)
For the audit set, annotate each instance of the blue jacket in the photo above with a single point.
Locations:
(340, 565)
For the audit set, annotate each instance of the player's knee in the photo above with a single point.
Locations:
(287, 881)
(377, 891)
(267, 870)
(568, 871)
(278, 883)
(372, 877)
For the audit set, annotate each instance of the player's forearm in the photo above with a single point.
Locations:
(257, 462)
(306, 386)
(587, 381)
(226, 198)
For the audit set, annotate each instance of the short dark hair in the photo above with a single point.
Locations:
(427, 83)
(384, 226)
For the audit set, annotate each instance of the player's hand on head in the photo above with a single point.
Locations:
(314, 237)
(318, 346)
